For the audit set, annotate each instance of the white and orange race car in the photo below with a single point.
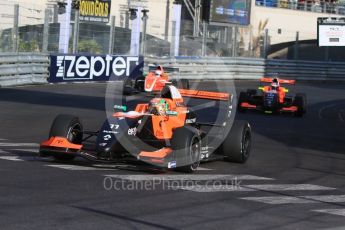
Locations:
(163, 132)
(156, 79)
(273, 98)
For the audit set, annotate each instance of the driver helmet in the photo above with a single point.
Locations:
(159, 107)
(275, 84)
(159, 71)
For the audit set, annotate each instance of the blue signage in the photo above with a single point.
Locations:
(65, 68)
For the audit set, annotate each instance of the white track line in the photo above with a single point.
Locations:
(323, 108)
(77, 167)
(339, 212)
(236, 187)
(23, 158)
(204, 169)
(19, 145)
(279, 200)
(197, 177)
(27, 150)
(3, 152)
(297, 199)
(288, 187)
(11, 158)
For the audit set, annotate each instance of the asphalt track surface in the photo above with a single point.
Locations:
(294, 179)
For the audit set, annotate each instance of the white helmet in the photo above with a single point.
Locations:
(158, 72)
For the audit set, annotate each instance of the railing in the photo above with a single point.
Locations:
(27, 68)
(253, 68)
(22, 69)
(328, 7)
(307, 70)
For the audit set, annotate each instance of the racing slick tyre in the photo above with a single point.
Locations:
(186, 144)
(236, 145)
(70, 127)
(128, 88)
(242, 98)
(140, 84)
(301, 102)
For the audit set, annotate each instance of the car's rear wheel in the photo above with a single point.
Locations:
(237, 144)
(301, 102)
(186, 144)
(71, 128)
(140, 84)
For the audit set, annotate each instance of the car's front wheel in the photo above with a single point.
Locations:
(237, 144)
(69, 127)
(186, 144)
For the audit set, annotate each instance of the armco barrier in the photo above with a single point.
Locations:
(253, 68)
(23, 68)
(29, 68)
(214, 68)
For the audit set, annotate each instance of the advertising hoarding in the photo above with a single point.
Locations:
(230, 11)
(95, 10)
(69, 68)
(331, 32)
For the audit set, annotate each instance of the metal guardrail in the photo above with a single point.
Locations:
(253, 68)
(23, 68)
(32, 68)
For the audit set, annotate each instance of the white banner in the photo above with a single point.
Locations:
(331, 35)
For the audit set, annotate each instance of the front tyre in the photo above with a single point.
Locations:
(186, 144)
(237, 144)
(69, 127)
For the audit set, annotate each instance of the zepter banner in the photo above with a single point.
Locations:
(93, 68)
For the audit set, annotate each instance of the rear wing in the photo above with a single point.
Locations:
(281, 81)
(204, 94)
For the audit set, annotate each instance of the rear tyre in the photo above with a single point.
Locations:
(128, 87)
(242, 98)
(140, 84)
(186, 144)
(70, 127)
(301, 103)
(237, 144)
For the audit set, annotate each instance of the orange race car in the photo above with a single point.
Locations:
(155, 81)
(273, 98)
(163, 132)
